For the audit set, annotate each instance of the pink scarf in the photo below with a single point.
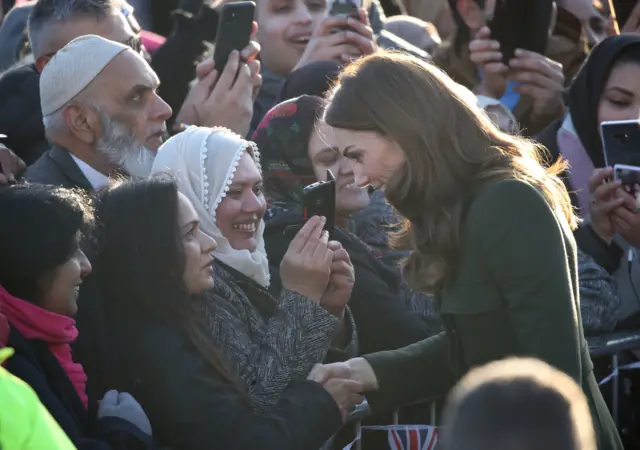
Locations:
(56, 330)
(580, 165)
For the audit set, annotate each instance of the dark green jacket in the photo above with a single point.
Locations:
(515, 293)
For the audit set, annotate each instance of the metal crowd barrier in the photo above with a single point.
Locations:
(611, 344)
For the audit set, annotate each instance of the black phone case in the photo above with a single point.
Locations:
(521, 24)
(234, 31)
(621, 144)
(320, 200)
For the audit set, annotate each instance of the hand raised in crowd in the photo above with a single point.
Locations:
(222, 99)
(340, 39)
(341, 281)
(10, 166)
(485, 53)
(345, 392)
(306, 267)
(604, 202)
(124, 406)
(540, 77)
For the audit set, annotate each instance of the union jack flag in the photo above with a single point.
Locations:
(413, 438)
(404, 437)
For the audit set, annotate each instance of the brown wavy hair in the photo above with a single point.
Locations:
(451, 149)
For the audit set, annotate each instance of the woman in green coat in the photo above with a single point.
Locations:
(490, 230)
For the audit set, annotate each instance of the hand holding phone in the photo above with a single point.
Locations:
(306, 267)
(354, 40)
(629, 178)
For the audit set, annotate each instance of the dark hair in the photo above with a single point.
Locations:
(451, 148)
(517, 403)
(47, 12)
(463, 33)
(38, 232)
(141, 261)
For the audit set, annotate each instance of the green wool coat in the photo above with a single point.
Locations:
(514, 293)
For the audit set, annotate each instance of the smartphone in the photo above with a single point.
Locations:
(521, 24)
(622, 10)
(621, 142)
(234, 31)
(629, 176)
(320, 200)
(344, 8)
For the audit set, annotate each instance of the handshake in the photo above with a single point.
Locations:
(346, 382)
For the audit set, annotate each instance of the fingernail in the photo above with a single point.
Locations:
(518, 52)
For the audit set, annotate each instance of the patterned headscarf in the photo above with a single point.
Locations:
(283, 139)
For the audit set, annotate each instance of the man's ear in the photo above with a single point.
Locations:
(472, 14)
(83, 122)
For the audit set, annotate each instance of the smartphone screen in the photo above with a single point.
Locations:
(521, 24)
(234, 31)
(629, 176)
(621, 143)
(320, 200)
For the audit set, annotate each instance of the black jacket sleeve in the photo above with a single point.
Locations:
(175, 62)
(191, 407)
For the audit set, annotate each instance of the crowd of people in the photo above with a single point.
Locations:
(162, 287)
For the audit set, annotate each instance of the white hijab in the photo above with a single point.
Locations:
(203, 162)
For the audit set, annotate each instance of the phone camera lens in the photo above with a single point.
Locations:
(318, 202)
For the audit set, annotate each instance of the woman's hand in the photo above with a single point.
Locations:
(353, 40)
(341, 281)
(540, 78)
(604, 203)
(346, 393)
(485, 53)
(626, 220)
(356, 369)
(306, 267)
(124, 406)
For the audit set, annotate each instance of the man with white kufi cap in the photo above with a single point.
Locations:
(101, 113)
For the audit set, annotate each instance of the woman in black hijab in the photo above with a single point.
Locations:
(607, 88)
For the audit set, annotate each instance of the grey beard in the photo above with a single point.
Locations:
(118, 145)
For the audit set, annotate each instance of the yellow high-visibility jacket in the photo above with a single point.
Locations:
(25, 424)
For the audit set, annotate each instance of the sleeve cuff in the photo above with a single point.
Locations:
(605, 255)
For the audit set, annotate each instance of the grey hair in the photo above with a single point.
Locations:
(54, 123)
(49, 12)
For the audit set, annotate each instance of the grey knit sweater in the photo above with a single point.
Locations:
(269, 341)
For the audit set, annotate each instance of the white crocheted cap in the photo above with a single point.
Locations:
(72, 69)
